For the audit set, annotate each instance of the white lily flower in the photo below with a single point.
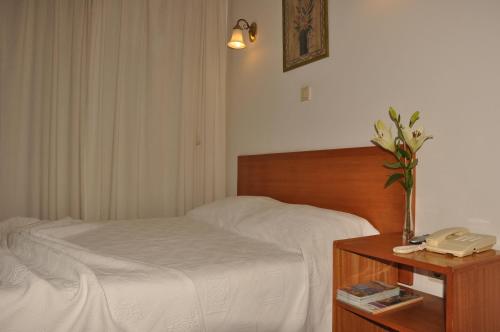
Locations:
(415, 138)
(383, 137)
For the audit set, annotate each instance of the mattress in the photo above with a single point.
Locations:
(172, 274)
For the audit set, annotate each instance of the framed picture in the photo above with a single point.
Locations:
(305, 32)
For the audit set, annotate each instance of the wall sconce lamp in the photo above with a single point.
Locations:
(236, 41)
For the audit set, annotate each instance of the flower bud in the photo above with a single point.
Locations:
(393, 114)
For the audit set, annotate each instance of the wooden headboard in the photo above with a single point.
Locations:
(350, 180)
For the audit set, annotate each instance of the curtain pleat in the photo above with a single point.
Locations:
(202, 155)
(111, 109)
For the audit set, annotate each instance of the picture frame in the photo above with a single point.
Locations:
(305, 32)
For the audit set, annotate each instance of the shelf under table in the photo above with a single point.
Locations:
(427, 315)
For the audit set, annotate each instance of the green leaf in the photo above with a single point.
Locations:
(413, 164)
(393, 178)
(398, 155)
(393, 165)
(403, 153)
(415, 116)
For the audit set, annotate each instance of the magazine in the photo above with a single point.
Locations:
(405, 297)
(367, 292)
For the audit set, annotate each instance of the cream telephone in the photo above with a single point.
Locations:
(459, 242)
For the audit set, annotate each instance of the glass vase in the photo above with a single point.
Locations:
(409, 225)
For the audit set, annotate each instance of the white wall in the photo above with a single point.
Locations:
(440, 57)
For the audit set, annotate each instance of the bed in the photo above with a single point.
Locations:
(257, 262)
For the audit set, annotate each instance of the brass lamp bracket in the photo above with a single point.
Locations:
(244, 25)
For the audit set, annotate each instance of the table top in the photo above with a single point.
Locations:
(380, 246)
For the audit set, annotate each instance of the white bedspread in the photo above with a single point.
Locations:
(146, 275)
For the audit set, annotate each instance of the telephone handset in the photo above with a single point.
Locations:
(458, 241)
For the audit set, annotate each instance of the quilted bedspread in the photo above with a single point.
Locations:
(171, 274)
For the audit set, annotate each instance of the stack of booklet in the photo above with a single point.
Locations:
(376, 296)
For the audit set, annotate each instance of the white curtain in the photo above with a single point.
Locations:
(111, 109)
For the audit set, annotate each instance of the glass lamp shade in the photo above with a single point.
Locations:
(236, 41)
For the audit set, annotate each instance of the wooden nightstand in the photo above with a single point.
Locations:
(471, 286)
